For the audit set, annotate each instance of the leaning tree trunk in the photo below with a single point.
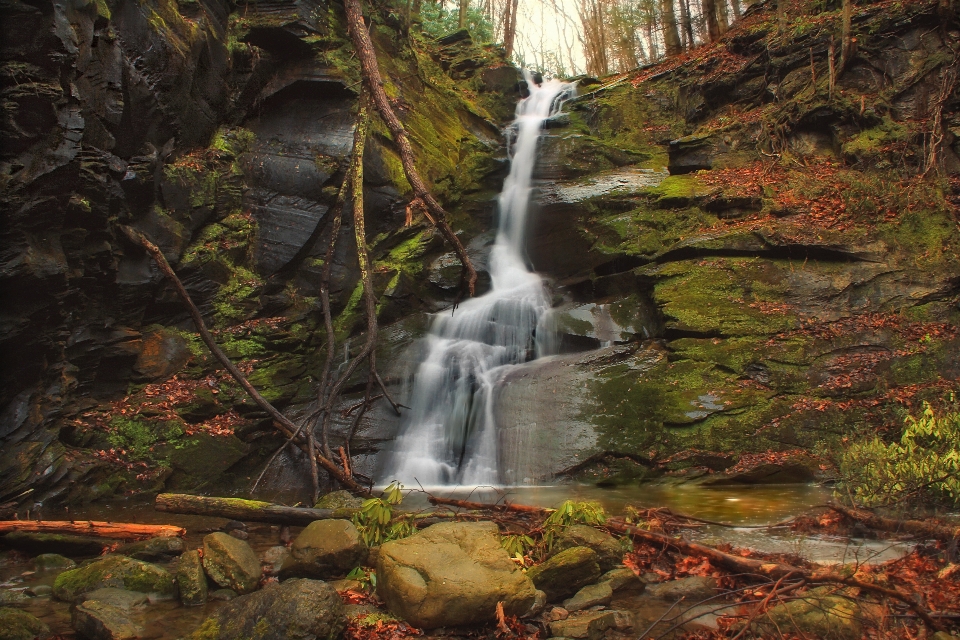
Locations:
(374, 81)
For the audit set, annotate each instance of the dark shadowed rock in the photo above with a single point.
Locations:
(562, 575)
(20, 625)
(162, 548)
(323, 549)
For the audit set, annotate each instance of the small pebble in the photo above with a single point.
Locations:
(557, 613)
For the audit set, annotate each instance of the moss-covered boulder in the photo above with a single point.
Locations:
(52, 562)
(230, 562)
(824, 613)
(191, 580)
(342, 503)
(562, 575)
(609, 551)
(114, 571)
(325, 548)
(451, 574)
(20, 625)
(96, 620)
(160, 548)
(297, 609)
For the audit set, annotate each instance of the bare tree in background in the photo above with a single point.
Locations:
(462, 16)
(708, 9)
(671, 36)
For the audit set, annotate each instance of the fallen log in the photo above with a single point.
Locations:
(482, 506)
(921, 528)
(239, 509)
(113, 530)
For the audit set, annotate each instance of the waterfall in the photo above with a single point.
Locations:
(449, 435)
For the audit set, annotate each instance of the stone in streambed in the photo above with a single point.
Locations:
(96, 620)
(323, 549)
(586, 624)
(824, 613)
(52, 562)
(191, 579)
(297, 609)
(343, 503)
(114, 571)
(20, 625)
(231, 563)
(562, 575)
(622, 578)
(120, 598)
(160, 548)
(692, 589)
(273, 559)
(590, 596)
(55, 543)
(451, 574)
(609, 551)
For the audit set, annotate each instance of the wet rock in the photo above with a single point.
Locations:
(692, 589)
(539, 604)
(222, 595)
(20, 625)
(191, 580)
(97, 620)
(325, 548)
(163, 353)
(239, 534)
(120, 598)
(52, 562)
(451, 574)
(788, 473)
(563, 574)
(114, 571)
(609, 551)
(13, 597)
(822, 613)
(231, 563)
(621, 578)
(587, 624)
(154, 549)
(40, 591)
(590, 596)
(273, 559)
(297, 609)
(343, 503)
(43, 543)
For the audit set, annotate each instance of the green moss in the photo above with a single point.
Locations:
(344, 323)
(872, 142)
(209, 630)
(113, 571)
(20, 625)
(103, 9)
(679, 190)
(238, 299)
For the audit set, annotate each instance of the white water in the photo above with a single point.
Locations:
(449, 436)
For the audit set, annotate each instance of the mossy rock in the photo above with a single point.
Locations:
(191, 579)
(158, 548)
(52, 562)
(20, 625)
(231, 563)
(114, 571)
(824, 613)
(609, 551)
(563, 574)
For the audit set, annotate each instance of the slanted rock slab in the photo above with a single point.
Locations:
(451, 574)
(97, 620)
(562, 575)
(191, 579)
(159, 548)
(231, 563)
(323, 549)
(587, 624)
(298, 609)
(622, 578)
(609, 551)
(692, 589)
(114, 571)
(20, 625)
(590, 596)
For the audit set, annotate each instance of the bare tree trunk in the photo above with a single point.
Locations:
(709, 10)
(846, 41)
(462, 18)
(671, 37)
(723, 16)
(510, 26)
(374, 81)
(736, 9)
(686, 24)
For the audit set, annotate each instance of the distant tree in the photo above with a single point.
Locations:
(708, 10)
(671, 36)
(439, 20)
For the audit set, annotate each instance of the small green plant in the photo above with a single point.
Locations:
(375, 520)
(568, 513)
(925, 463)
(518, 546)
(366, 577)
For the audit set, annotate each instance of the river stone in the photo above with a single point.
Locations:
(120, 598)
(40, 590)
(562, 575)
(342, 503)
(114, 571)
(609, 551)
(293, 610)
(325, 548)
(222, 595)
(191, 579)
(451, 574)
(272, 559)
(621, 578)
(12, 596)
(539, 604)
(20, 625)
(821, 613)
(52, 561)
(231, 563)
(691, 588)
(160, 548)
(589, 596)
(585, 624)
(97, 620)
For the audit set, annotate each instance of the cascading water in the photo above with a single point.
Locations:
(449, 436)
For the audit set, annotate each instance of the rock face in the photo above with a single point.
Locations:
(20, 625)
(563, 574)
(114, 571)
(325, 548)
(297, 609)
(191, 580)
(231, 563)
(451, 574)
(609, 551)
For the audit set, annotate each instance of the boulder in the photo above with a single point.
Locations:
(562, 575)
(293, 610)
(692, 589)
(97, 620)
(20, 625)
(323, 549)
(120, 598)
(52, 562)
(231, 563)
(822, 613)
(12, 597)
(114, 571)
(191, 579)
(590, 596)
(451, 574)
(586, 624)
(273, 559)
(622, 578)
(609, 551)
(343, 503)
(161, 548)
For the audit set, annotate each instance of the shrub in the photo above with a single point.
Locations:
(925, 463)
